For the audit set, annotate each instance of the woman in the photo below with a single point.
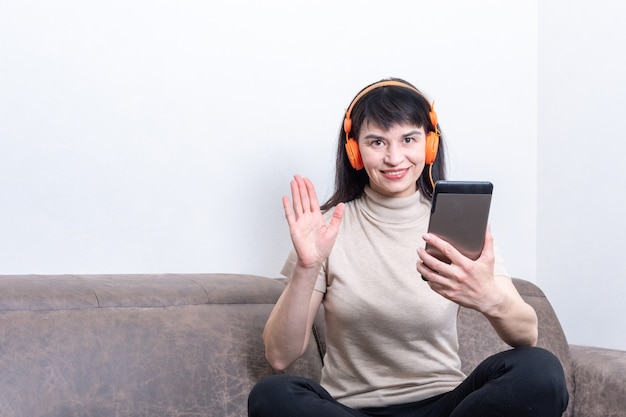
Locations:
(392, 347)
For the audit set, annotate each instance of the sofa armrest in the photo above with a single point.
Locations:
(600, 378)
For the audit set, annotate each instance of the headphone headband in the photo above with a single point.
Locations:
(375, 86)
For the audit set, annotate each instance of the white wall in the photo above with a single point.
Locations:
(581, 171)
(142, 136)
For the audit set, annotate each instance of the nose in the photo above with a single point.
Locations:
(394, 155)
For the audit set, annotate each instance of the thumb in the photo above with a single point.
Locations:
(337, 216)
(488, 245)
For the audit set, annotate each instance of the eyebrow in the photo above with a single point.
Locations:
(374, 136)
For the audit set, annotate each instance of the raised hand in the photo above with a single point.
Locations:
(312, 238)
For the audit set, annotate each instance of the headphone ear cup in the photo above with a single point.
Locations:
(432, 144)
(354, 155)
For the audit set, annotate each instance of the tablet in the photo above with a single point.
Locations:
(459, 215)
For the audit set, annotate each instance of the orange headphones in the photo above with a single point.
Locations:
(352, 147)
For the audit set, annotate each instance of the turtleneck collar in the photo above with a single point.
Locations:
(394, 209)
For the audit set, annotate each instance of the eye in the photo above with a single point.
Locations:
(409, 139)
(377, 143)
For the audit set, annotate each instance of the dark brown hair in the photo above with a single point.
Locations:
(384, 106)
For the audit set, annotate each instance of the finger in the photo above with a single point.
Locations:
(446, 249)
(288, 211)
(314, 205)
(422, 269)
(305, 204)
(488, 240)
(488, 246)
(439, 247)
(429, 266)
(295, 195)
(337, 216)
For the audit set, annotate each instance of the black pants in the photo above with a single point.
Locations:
(519, 382)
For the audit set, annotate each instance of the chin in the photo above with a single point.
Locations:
(399, 191)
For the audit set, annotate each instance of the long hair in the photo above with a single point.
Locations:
(384, 106)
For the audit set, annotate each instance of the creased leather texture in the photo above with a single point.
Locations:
(600, 381)
(160, 345)
(189, 345)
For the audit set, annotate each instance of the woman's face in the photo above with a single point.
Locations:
(394, 158)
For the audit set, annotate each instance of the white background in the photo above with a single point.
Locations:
(145, 136)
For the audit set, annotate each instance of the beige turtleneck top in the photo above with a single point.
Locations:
(390, 339)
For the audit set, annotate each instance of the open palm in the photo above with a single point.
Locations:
(312, 238)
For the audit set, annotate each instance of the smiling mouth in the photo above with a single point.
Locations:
(395, 173)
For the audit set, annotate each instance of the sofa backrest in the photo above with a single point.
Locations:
(134, 345)
(168, 345)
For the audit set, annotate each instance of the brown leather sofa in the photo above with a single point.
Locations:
(190, 346)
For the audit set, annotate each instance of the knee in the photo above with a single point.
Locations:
(542, 372)
(263, 394)
(278, 394)
(541, 364)
(268, 384)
